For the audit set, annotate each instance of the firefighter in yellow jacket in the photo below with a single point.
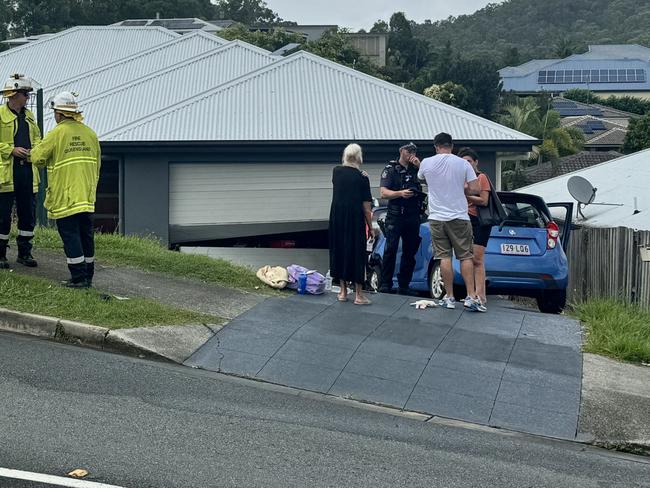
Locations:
(72, 156)
(18, 181)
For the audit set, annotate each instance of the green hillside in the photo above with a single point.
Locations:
(516, 31)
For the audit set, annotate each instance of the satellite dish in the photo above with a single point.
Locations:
(581, 190)
(584, 193)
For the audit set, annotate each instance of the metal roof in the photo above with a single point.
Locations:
(623, 180)
(614, 57)
(180, 25)
(193, 77)
(78, 50)
(306, 98)
(143, 63)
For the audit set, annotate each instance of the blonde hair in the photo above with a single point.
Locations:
(352, 155)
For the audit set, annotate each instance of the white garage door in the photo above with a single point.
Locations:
(209, 194)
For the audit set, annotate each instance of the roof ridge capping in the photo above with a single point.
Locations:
(300, 55)
(76, 28)
(172, 67)
(139, 54)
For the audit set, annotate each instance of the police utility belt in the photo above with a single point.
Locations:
(402, 210)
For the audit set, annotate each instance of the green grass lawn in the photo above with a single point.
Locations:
(616, 329)
(149, 254)
(42, 297)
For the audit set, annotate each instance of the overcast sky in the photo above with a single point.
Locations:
(358, 14)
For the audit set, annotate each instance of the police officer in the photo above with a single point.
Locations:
(18, 182)
(72, 156)
(400, 186)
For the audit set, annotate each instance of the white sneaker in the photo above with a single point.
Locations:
(448, 302)
(474, 305)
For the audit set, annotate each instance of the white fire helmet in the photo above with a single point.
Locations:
(16, 83)
(65, 102)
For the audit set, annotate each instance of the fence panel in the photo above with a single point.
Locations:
(606, 263)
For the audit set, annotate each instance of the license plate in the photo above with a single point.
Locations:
(518, 249)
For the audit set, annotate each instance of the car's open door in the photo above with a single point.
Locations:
(563, 220)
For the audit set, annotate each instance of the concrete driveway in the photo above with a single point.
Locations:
(509, 368)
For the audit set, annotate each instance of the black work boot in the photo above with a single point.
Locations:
(4, 264)
(25, 252)
(90, 272)
(77, 276)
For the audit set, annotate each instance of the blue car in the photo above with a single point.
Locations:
(525, 255)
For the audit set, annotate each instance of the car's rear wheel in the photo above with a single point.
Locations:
(436, 286)
(551, 301)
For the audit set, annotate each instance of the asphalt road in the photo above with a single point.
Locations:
(139, 424)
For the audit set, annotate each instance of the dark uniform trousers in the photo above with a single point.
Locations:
(76, 232)
(25, 199)
(407, 228)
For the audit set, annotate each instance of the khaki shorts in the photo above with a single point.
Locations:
(455, 234)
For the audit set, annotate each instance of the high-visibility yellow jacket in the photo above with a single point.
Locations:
(8, 128)
(72, 156)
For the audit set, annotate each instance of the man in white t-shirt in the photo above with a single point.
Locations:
(446, 176)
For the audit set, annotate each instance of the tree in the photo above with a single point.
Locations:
(564, 47)
(380, 27)
(523, 116)
(638, 135)
(246, 11)
(581, 95)
(511, 57)
(333, 45)
(450, 93)
(270, 40)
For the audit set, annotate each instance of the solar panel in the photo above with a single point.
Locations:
(573, 76)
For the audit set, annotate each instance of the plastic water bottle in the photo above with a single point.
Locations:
(302, 283)
(328, 281)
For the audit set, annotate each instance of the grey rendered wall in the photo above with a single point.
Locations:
(145, 196)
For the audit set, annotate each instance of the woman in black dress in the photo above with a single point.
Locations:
(349, 215)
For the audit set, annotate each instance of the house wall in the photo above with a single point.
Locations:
(237, 190)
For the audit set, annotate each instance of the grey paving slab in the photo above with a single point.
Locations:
(534, 420)
(283, 311)
(506, 325)
(542, 378)
(226, 361)
(533, 396)
(327, 298)
(383, 303)
(248, 341)
(316, 354)
(550, 330)
(386, 368)
(533, 354)
(493, 350)
(343, 320)
(371, 389)
(458, 362)
(332, 338)
(299, 375)
(451, 405)
(437, 316)
(459, 382)
(410, 332)
(386, 348)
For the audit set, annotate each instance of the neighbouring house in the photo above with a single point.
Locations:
(604, 128)
(609, 248)
(204, 139)
(609, 69)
